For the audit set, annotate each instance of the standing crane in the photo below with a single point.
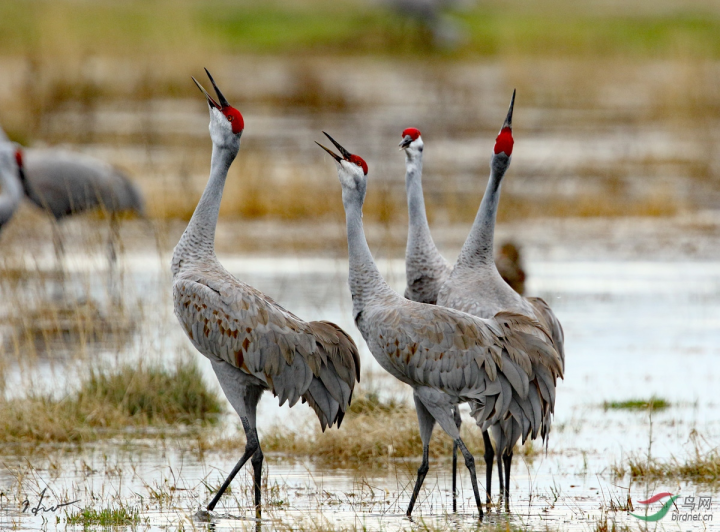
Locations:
(476, 287)
(12, 191)
(64, 183)
(447, 356)
(253, 343)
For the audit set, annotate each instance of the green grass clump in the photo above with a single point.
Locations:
(105, 517)
(109, 402)
(654, 403)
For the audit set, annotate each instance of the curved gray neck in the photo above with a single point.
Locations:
(198, 240)
(419, 236)
(364, 278)
(11, 196)
(477, 252)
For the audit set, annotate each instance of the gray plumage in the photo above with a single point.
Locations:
(475, 286)
(446, 356)
(254, 344)
(11, 192)
(65, 183)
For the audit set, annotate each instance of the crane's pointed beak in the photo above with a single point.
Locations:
(221, 97)
(508, 119)
(346, 154)
(211, 102)
(405, 142)
(333, 155)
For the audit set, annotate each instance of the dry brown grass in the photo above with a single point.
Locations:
(122, 402)
(373, 432)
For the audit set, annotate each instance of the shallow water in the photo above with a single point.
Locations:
(633, 329)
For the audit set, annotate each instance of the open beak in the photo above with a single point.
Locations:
(345, 154)
(508, 119)
(211, 102)
(406, 141)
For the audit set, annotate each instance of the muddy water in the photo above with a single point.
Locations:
(633, 329)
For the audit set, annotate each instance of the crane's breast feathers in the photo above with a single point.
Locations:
(231, 321)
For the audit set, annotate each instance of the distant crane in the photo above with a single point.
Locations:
(64, 183)
(12, 192)
(475, 286)
(447, 356)
(253, 343)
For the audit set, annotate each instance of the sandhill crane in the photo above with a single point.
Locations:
(12, 191)
(446, 356)
(475, 286)
(425, 268)
(253, 343)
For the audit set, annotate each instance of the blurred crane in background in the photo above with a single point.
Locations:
(429, 15)
(12, 192)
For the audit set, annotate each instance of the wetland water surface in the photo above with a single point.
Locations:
(633, 330)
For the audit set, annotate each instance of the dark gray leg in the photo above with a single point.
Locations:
(458, 422)
(501, 476)
(470, 464)
(489, 455)
(251, 446)
(507, 459)
(257, 461)
(427, 423)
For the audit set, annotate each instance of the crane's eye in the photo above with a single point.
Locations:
(230, 118)
(358, 163)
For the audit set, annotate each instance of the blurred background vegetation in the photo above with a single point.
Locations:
(617, 113)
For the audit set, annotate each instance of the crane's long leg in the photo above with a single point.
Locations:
(427, 423)
(489, 455)
(507, 459)
(436, 404)
(251, 446)
(458, 422)
(252, 398)
(501, 476)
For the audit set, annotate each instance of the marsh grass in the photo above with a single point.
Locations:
(654, 403)
(703, 467)
(106, 517)
(124, 401)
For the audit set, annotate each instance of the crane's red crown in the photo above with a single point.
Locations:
(235, 118)
(504, 141)
(356, 159)
(413, 132)
(19, 157)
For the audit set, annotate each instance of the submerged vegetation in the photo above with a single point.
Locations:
(108, 403)
(654, 403)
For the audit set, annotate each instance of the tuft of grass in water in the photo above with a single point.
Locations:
(107, 403)
(654, 403)
(699, 468)
(106, 517)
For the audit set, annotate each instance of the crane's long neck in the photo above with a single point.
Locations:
(198, 240)
(12, 193)
(419, 237)
(364, 277)
(477, 252)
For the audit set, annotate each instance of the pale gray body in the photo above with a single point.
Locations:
(253, 343)
(446, 356)
(11, 192)
(65, 183)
